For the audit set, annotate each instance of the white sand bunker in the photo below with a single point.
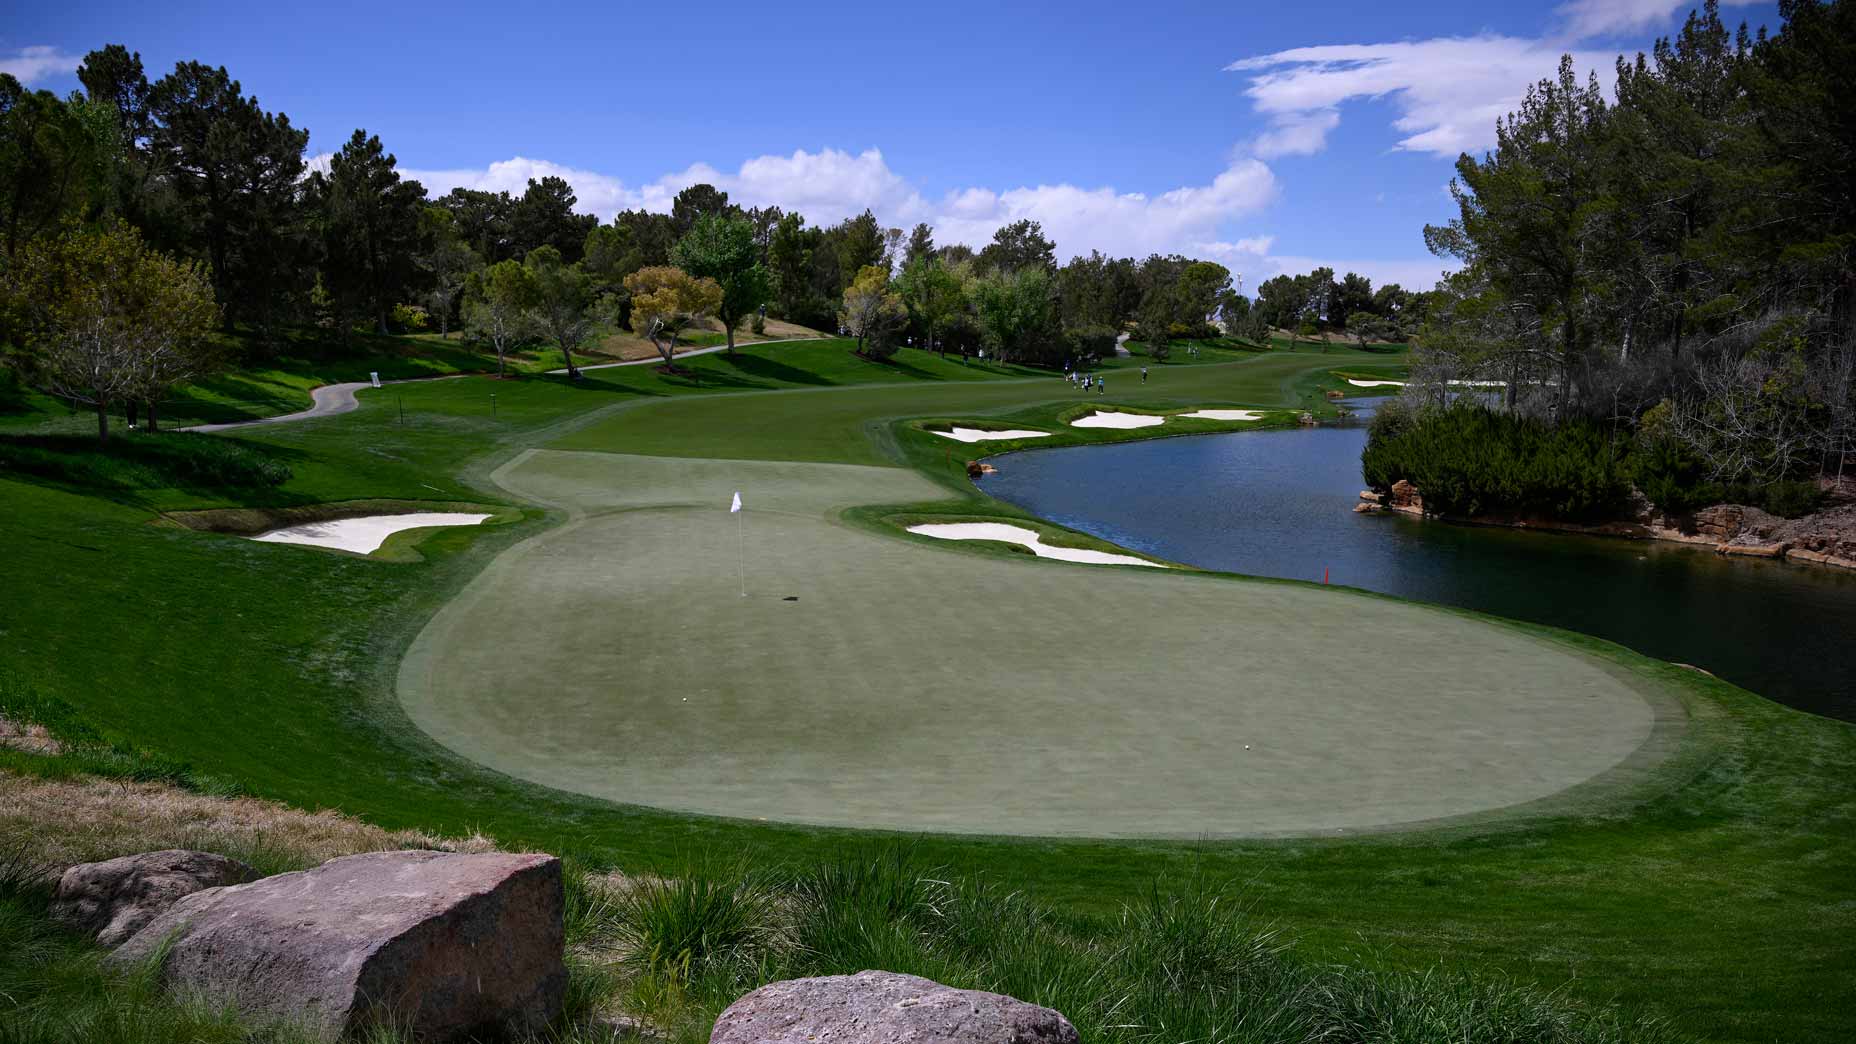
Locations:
(1112, 419)
(982, 435)
(1401, 384)
(364, 535)
(1227, 415)
(1028, 538)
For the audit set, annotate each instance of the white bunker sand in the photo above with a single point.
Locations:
(1028, 538)
(981, 435)
(1401, 384)
(364, 535)
(1112, 419)
(1226, 415)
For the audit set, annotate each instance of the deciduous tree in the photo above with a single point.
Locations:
(665, 299)
(563, 305)
(502, 312)
(721, 247)
(871, 313)
(106, 319)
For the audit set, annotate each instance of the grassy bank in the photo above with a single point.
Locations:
(1715, 896)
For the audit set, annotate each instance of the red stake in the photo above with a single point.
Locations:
(1324, 574)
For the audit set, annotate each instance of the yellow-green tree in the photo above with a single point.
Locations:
(665, 299)
(872, 312)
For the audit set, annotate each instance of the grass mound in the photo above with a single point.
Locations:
(172, 460)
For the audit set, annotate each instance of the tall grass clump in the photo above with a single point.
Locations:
(1356, 1006)
(866, 909)
(1185, 961)
(168, 460)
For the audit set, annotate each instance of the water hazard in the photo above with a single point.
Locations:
(1279, 503)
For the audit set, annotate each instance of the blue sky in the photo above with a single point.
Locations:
(1270, 136)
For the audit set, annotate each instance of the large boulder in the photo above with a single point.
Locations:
(876, 1006)
(114, 899)
(439, 944)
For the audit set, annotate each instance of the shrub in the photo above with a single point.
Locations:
(1791, 499)
(142, 461)
(1675, 482)
(1672, 478)
(410, 318)
(698, 925)
(1468, 459)
(1092, 342)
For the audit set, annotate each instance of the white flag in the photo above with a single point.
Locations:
(736, 506)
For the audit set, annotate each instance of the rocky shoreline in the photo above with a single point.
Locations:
(1826, 537)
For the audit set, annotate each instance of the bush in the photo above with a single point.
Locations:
(1791, 499)
(698, 925)
(142, 461)
(1675, 482)
(1092, 342)
(1672, 478)
(1470, 460)
(410, 318)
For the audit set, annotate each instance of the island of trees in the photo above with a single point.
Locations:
(1662, 282)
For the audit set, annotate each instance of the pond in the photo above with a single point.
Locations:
(1280, 503)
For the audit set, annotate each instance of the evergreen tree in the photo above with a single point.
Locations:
(370, 224)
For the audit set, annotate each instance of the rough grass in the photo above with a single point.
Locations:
(1185, 960)
(133, 461)
(53, 823)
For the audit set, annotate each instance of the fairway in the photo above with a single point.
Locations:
(916, 686)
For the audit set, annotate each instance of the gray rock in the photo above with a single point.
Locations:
(436, 943)
(115, 898)
(877, 1006)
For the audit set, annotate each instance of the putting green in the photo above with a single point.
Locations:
(920, 685)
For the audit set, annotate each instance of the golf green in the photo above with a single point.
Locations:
(871, 679)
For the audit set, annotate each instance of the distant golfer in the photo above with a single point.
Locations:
(1143, 375)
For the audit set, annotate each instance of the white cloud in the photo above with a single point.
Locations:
(1296, 133)
(1584, 19)
(31, 65)
(1448, 91)
(1122, 223)
(830, 185)
(598, 193)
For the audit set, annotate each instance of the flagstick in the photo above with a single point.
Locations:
(741, 558)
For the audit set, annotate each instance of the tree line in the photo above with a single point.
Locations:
(1673, 265)
(190, 179)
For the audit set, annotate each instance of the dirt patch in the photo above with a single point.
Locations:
(625, 346)
(54, 823)
(28, 737)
